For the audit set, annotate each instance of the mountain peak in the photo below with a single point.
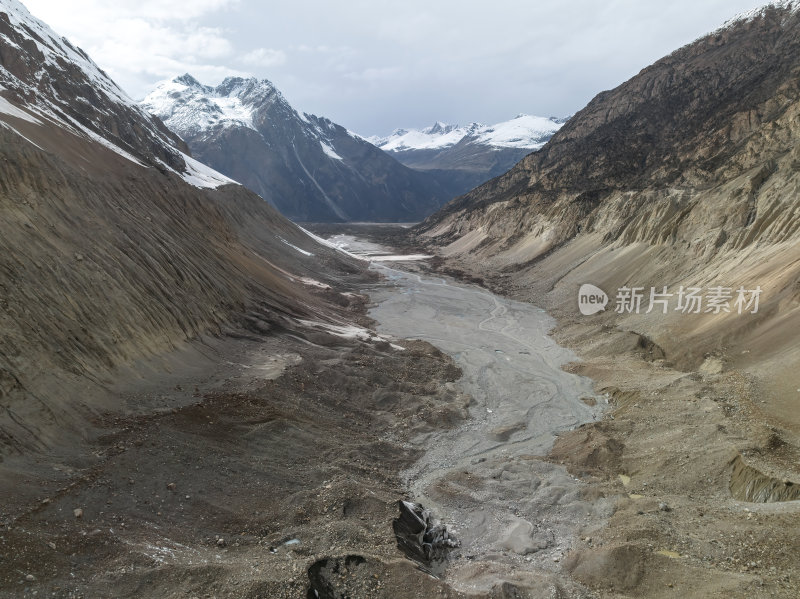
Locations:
(760, 11)
(523, 131)
(187, 106)
(440, 128)
(187, 80)
(244, 85)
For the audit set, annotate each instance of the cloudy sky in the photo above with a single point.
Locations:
(374, 65)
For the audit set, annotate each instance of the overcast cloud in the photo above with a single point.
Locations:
(373, 65)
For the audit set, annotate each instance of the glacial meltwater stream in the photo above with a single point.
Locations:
(515, 513)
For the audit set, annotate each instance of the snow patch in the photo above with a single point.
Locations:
(314, 283)
(399, 258)
(9, 127)
(349, 331)
(202, 176)
(8, 108)
(327, 243)
(329, 151)
(302, 251)
(366, 256)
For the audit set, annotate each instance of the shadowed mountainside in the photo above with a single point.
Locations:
(308, 167)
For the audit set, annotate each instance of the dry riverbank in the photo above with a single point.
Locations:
(681, 454)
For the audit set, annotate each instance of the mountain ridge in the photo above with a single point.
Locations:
(523, 131)
(683, 173)
(247, 130)
(470, 155)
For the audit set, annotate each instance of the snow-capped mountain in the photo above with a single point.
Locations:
(523, 131)
(467, 156)
(189, 108)
(310, 168)
(46, 80)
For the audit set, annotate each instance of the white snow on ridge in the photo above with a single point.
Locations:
(523, 131)
(329, 151)
(185, 108)
(50, 101)
(53, 46)
(202, 176)
(439, 136)
(8, 108)
(791, 5)
(49, 106)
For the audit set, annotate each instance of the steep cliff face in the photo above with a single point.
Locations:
(114, 244)
(308, 167)
(685, 175)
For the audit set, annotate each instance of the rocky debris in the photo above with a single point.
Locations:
(420, 535)
(77, 512)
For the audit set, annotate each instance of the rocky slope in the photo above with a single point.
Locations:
(308, 167)
(683, 178)
(470, 155)
(684, 175)
(116, 245)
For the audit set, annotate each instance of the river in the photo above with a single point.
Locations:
(515, 513)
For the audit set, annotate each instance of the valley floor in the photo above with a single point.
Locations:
(274, 470)
(682, 455)
(261, 463)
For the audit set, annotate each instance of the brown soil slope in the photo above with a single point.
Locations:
(685, 175)
(108, 255)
